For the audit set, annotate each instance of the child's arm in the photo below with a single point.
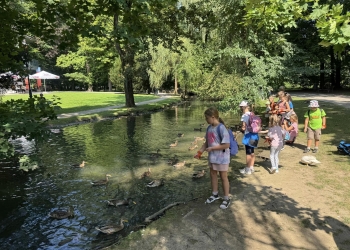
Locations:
(323, 122)
(287, 106)
(285, 126)
(201, 150)
(218, 147)
(306, 123)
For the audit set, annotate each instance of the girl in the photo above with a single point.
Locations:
(250, 140)
(291, 128)
(283, 105)
(218, 155)
(275, 136)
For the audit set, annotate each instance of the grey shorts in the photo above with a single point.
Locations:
(313, 134)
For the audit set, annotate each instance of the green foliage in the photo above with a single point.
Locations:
(26, 163)
(332, 20)
(24, 118)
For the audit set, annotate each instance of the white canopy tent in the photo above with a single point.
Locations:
(44, 75)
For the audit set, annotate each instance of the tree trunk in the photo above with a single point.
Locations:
(109, 84)
(127, 57)
(322, 82)
(332, 67)
(175, 90)
(337, 73)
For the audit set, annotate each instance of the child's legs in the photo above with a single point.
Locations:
(272, 157)
(250, 156)
(317, 137)
(225, 182)
(310, 136)
(214, 179)
(277, 152)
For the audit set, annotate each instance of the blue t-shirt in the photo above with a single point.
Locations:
(213, 139)
(291, 105)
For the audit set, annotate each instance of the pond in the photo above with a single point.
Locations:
(121, 148)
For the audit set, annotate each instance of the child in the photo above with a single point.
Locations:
(276, 137)
(291, 128)
(283, 105)
(250, 140)
(267, 111)
(315, 120)
(218, 155)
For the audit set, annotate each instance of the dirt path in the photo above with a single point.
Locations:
(281, 211)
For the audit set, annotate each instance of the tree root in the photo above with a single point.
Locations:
(149, 219)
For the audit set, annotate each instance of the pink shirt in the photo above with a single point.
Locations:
(294, 132)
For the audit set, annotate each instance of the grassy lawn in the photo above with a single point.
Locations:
(117, 112)
(80, 101)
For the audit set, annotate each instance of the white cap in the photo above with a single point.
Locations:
(313, 104)
(243, 104)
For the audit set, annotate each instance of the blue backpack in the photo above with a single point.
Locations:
(233, 142)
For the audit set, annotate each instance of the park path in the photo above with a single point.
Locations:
(93, 111)
(342, 100)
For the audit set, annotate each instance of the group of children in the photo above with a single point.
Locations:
(283, 128)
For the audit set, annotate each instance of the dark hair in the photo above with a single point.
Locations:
(212, 111)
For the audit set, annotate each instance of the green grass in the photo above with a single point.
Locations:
(80, 101)
(117, 112)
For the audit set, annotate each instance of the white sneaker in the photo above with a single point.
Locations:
(252, 170)
(245, 171)
(273, 170)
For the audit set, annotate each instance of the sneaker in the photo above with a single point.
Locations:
(315, 150)
(252, 170)
(276, 171)
(307, 150)
(245, 171)
(282, 148)
(212, 199)
(273, 170)
(225, 204)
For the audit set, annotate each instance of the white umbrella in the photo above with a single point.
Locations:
(43, 75)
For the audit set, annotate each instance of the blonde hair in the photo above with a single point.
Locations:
(214, 112)
(274, 120)
(289, 97)
(294, 117)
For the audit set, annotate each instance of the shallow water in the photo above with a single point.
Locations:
(120, 148)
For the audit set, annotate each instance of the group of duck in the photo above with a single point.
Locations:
(113, 228)
(107, 229)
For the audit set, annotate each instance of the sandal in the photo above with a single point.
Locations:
(225, 204)
(212, 199)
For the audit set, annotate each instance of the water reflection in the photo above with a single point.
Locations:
(121, 148)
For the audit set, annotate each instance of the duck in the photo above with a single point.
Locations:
(173, 160)
(194, 142)
(180, 135)
(179, 164)
(116, 202)
(199, 174)
(193, 147)
(81, 165)
(62, 214)
(197, 129)
(309, 160)
(173, 144)
(156, 183)
(112, 228)
(146, 174)
(101, 182)
(196, 138)
(155, 155)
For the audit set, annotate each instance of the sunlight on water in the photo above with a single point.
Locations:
(121, 148)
